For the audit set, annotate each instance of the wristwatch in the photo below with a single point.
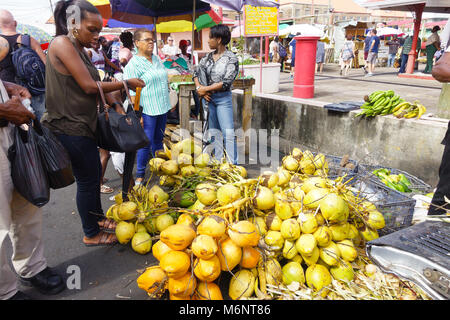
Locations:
(197, 88)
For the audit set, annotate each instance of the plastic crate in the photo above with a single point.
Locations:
(417, 185)
(396, 207)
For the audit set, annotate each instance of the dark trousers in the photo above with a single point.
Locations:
(443, 187)
(430, 50)
(403, 63)
(87, 170)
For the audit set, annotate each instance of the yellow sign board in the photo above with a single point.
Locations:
(260, 21)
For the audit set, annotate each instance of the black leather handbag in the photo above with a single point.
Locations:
(119, 132)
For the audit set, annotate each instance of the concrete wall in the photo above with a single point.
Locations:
(406, 144)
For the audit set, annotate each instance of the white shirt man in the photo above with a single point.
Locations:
(170, 49)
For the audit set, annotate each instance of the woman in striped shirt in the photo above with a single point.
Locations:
(154, 96)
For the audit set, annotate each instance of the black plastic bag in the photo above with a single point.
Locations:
(27, 171)
(55, 159)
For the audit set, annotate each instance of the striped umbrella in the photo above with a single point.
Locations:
(37, 33)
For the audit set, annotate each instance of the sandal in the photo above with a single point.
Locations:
(107, 225)
(105, 239)
(105, 189)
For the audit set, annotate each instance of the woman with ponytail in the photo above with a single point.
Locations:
(71, 97)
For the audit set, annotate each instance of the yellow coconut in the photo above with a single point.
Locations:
(213, 226)
(175, 263)
(127, 210)
(207, 270)
(313, 182)
(297, 153)
(269, 179)
(167, 181)
(229, 254)
(313, 197)
(334, 208)
(289, 250)
(317, 277)
(208, 291)
(242, 171)
(164, 221)
(293, 271)
(150, 225)
(297, 258)
(159, 249)
(264, 199)
(284, 176)
(283, 209)
(125, 232)
(290, 229)
(184, 160)
(330, 254)
(153, 280)
(306, 165)
(183, 286)
(319, 160)
(347, 250)
(178, 236)
(157, 195)
(299, 194)
(250, 257)
(369, 234)
(204, 247)
(242, 285)
(290, 163)
(188, 171)
(228, 193)
(323, 236)
(375, 220)
(343, 271)
(339, 231)
(202, 160)
(141, 242)
(169, 167)
(273, 222)
(313, 258)
(155, 164)
(274, 240)
(244, 233)
(186, 219)
(306, 244)
(206, 193)
(308, 222)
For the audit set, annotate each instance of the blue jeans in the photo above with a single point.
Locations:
(38, 105)
(87, 170)
(154, 127)
(391, 59)
(221, 124)
(403, 64)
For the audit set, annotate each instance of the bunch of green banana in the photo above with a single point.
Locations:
(380, 103)
(409, 110)
(394, 181)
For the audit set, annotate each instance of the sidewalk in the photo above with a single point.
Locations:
(331, 87)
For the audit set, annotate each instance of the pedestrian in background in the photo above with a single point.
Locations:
(154, 97)
(160, 45)
(213, 81)
(347, 55)
(373, 52)
(8, 27)
(393, 45)
(406, 49)
(126, 49)
(274, 55)
(432, 44)
(366, 51)
(320, 56)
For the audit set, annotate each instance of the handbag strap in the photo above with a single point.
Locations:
(130, 102)
(102, 96)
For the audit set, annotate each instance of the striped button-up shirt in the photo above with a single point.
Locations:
(155, 95)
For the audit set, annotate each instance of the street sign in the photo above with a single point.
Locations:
(260, 21)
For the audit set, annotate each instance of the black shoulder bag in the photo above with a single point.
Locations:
(119, 132)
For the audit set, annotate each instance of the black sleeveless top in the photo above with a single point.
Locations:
(7, 72)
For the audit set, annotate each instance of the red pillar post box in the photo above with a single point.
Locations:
(305, 65)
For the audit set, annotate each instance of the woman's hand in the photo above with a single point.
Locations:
(134, 83)
(202, 91)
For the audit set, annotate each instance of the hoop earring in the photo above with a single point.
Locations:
(75, 33)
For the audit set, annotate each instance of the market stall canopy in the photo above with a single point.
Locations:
(103, 6)
(145, 12)
(387, 31)
(237, 5)
(437, 6)
(303, 29)
(183, 23)
(113, 23)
